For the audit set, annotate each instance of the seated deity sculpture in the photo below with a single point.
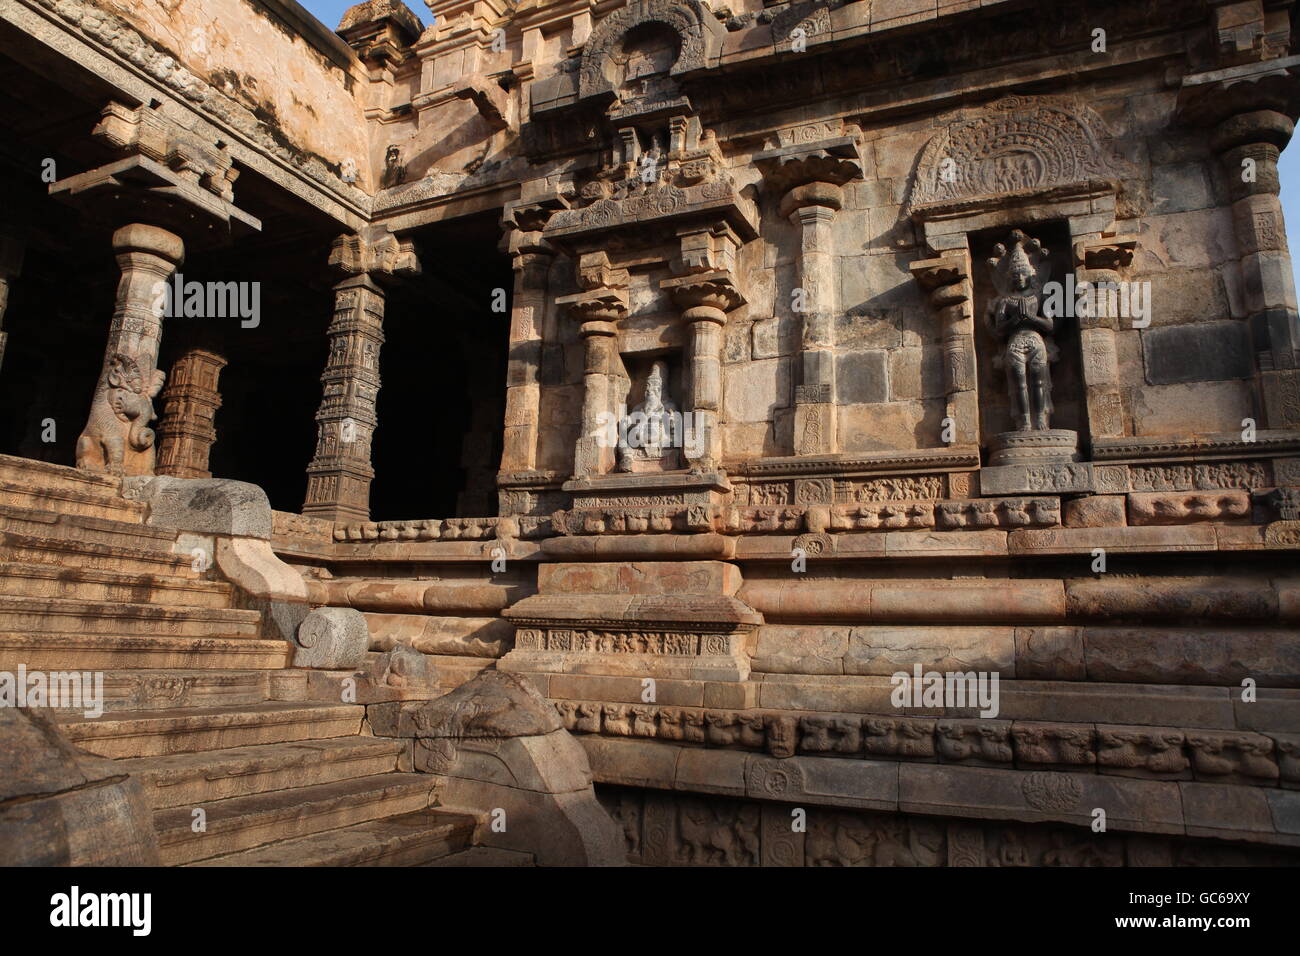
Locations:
(652, 432)
(1015, 318)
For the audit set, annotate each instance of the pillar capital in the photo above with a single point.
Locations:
(381, 256)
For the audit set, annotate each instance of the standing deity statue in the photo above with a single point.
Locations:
(654, 428)
(1014, 316)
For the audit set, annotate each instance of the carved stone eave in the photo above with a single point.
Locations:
(836, 161)
(139, 189)
(954, 458)
(635, 485)
(714, 200)
(1205, 99)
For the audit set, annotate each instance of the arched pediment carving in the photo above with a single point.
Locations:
(694, 24)
(1016, 147)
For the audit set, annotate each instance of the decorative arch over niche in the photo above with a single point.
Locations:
(697, 28)
(1017, 147)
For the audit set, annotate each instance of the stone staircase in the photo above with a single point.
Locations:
(234, 776)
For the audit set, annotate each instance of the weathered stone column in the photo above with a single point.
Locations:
(947, 280)
(523, 389)
(1098, 262)
(705, 301)
(117, 438)
(1247, 112)
(1249, 145)
(339, 476)
(187, 429)
(809, 179)
(11, 263)
(812, 207)
(603, 373)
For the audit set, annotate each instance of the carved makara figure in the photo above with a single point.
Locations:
(119, 420)
(1014, 316)
(654, 428)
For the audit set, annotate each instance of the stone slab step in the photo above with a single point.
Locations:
(192, 779)
(66, 552)
(485, 856)
(62, 615)
(421, 838)
(154, 733)
(92, 502)
(88, 584)
(14, 469)
(105, 652)
(60, 527)
(242, 823)
(170, 689)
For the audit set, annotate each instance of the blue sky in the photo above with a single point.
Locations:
(330, 12)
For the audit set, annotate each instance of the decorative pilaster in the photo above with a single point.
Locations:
(187, 430)
(705, 299)
(11, 263)
(339, 476)
(1248, 112)
(947, 281)
(1098, 263)
(809, 179)
(532, 257)
(117, 438)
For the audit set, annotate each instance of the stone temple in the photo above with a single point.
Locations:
(659, 432)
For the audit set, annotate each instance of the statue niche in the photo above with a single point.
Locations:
(651, 436)
(1015, 317)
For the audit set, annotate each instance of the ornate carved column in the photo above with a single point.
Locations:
(531, 256)
(339, 476)
(187, 429)
(11, 263)
(117, 438)
(809, 179)
(947, 280)
(174, 183)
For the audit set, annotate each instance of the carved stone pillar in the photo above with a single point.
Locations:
(11, 263)
(117, 438)
(705, 300)
(1249, 145)
(809, 179)
(187, 429)
(339, 476)
(604, 378)
(523, 390)
(1247, 111)
(1098, 263)
(947, 280)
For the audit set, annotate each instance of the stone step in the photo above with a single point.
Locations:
(194, 779)
(242, 823)
(29, 471)
(85, 529)
(66, 552)
(96, 652)
(88, 584)
(155, 733)
(420, 838)
(484, 856)
(92, 502)
(61, 616)
(143, 689)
